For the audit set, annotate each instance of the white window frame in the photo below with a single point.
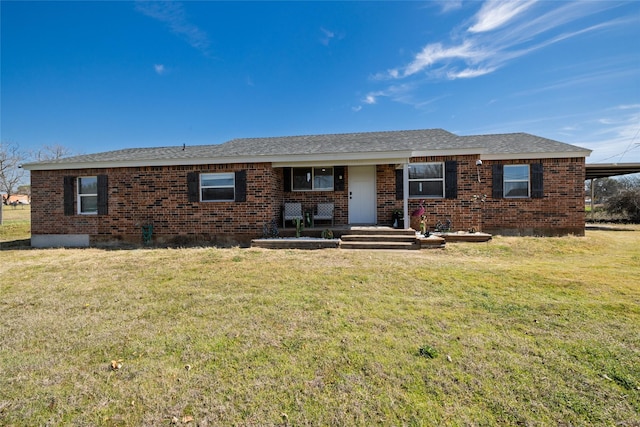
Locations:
(311, 176)
(224, 175)
(82, 196)
(419, 196)
(505, 181)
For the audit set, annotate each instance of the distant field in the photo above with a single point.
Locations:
(16, 224)
(516, 331)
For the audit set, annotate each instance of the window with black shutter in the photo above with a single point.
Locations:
(427, 180)
(518, 181)
(338, 178)
(103, 195)
(193, 188)
(241, 186)
(399, 184)
(69, 193)
(287, 179)
(496, 182)
(217, 187)
(537, 184)
(451, 179)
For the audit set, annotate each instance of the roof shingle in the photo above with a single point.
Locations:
(329, 144)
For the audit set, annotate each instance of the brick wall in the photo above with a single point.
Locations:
(559, 212)
(159, 196)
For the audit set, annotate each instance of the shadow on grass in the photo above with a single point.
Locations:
(15, 244)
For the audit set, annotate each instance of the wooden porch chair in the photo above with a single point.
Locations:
(290, 212)
(324, 212)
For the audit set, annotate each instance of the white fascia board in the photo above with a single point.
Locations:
(524, 156)
(369, 158)
(324, 159)
(467, 151)
(342, 159)
(142, 163)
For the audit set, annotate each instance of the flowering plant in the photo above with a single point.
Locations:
(420, 212)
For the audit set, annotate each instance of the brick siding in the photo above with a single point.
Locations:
(158, 196)
(559, 212)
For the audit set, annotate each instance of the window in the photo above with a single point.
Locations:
(88, 195)
(426, 179)
(216, 187)
(312, 179)
(516, 181)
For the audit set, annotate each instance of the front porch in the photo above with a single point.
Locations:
(363, 237)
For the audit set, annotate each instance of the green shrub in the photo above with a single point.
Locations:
(627, 203)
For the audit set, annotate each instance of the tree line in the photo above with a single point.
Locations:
(14, 179)
(615, 198)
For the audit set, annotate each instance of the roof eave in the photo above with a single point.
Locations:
(370, 157)
(380, 157)
(539, 155)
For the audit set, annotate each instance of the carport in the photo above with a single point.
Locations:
(606, 170)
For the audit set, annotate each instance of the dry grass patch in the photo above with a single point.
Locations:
(16, 226)
(524, 331)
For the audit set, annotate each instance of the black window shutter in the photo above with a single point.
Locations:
(241, 186)
(193, 187)
(69, 185)
(497, 183)
(287, 179)
(338, 178)
(451, 179)
(399, 184)
(103, 195)
(537, 187)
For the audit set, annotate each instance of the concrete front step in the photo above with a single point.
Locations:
(379, 245)
(411, 238)
(379, 238)
(380, 230)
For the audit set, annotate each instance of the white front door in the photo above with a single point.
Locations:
(362, 194)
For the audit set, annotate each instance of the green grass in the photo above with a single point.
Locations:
(16, 225)
(531, 331)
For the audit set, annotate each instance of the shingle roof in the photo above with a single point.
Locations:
(426, 140)
(434, 139)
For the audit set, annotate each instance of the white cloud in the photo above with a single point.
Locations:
(447, 6)
(370, 99)
(612, 135)
(434, 53)
(173, 15)
(327, 36)
(159, 68)
(500, 32)
(469, 73)
(496, 13)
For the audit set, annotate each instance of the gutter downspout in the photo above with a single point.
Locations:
(405, 194)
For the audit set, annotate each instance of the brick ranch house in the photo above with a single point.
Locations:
(225, 194)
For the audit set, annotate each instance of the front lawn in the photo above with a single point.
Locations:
(516, 331)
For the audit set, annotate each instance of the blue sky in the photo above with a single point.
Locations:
(98, 76)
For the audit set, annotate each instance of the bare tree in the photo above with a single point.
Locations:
(603, 188)
(630, 182)
(52, 152)
(11, 173)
